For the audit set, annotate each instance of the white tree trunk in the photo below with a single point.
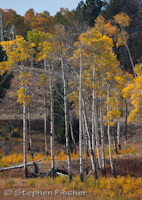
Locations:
(118, 132)
(66, 120)
(30, 133)
(126, 126)
(45, 121)
(72, 135)
(93, 156)
(85, 145)
(131, 59)
(95, 123)
(80, 118)
(32, 63)
(102, 128)
(45, 63)
(51, 124)
(25, 140)
(109, 139)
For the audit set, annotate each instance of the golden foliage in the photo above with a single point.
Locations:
(122, 19)
(122, 39)
(134, 92)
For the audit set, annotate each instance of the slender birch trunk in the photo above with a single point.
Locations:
(80, 117)
(72, 135)
(66, 119)
(129, 53)
(30, 133)
(102, 128)
(114, 140)
(85, 145)
(95, 123)
(93, 156)
(109, 139)
(45, 63)
(51, 124)
(118, 131)
(32, 63)
(45, 121)
(131, 59)
(25, 138)
(126, 126)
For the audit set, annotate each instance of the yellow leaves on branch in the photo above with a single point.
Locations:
(111, 30)
(113, 113)
(25, 77)
(122, 19)
(122, 39)
(134, 92)
(16, 50)
(127, 90)
(4, 66)
(100, 23)
(23, 98)
(138, 69)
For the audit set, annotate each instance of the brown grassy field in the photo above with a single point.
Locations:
(13, 180)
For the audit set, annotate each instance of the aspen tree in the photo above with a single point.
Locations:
(108, 131)
(95, 119)
(133, 91)
(123, 20)
(46, 52)
(24, 99)
(51, 122)
(60, 49)
(30, 132)
(66, 118)
(90, 39)
(85, 144)
(93, 156)
(94, 40)
(19, 50)
(80, 115)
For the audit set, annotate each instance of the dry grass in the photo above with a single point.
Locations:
(109, 188)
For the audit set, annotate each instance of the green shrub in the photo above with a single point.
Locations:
(16, 134)
(6, 138)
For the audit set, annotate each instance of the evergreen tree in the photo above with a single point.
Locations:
(88, 11)
(5, 82)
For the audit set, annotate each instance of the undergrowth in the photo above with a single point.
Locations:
(109, 188)
(18, 157)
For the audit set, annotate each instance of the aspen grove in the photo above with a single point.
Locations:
(93, 85)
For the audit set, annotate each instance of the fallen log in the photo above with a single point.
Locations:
(88, 175)
(19, 166)
(62, 175)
